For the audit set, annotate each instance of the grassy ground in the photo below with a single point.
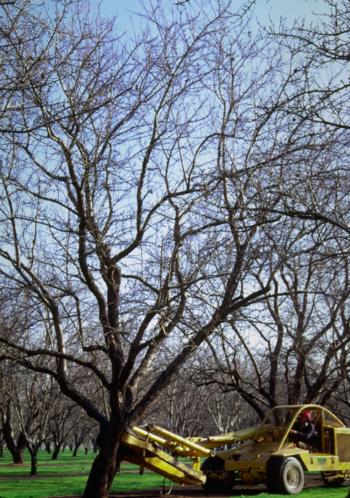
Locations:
(68, 475)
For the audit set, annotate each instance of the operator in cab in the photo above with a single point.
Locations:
(303, 431)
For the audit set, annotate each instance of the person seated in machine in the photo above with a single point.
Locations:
(303, 432)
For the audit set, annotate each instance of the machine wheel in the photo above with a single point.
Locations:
(285, 476)
(221, 484)
(333, 478)
(210, 485)
(218, 480)
(272, 472)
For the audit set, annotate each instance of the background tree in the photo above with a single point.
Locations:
(81, 431)
(33, 399)
(187, 408)
(320, 101)
(292, 347)
(11, 433)
(60, 425)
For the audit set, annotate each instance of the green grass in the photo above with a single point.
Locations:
(307, 493)
(68, 475)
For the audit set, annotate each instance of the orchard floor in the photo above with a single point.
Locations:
(196, 492)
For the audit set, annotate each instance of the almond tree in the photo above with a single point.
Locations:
(191, 407)
(293, 347)
(60, 425)
(11, 432)
(33, 400)
(320, 101)
(133, 208)
(11, 435)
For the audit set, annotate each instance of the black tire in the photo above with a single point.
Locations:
(333, 479)
(210, 485)
(213, 464)
(285, 476)
(220, 484)
(218, 480)
(272, 473)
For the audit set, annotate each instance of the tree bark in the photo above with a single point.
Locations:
(105, 464)
(33, 462)
(56, 452)
(16, 449)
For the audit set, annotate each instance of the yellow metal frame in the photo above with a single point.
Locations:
(158, 449)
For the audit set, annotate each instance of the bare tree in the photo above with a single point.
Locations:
(11, 435)
(134, 200)
(11, 432)
(60, 424)
(82, 428)
(292, 348)
(323, 45)
(318, 106)
(33, 400)
(2, 443)
(191, 407)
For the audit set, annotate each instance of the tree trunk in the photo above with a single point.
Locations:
(55, 452)
(33, 462)
(105, 464)
(17, 456)
(16, 449)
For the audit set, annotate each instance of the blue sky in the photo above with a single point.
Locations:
(276, 8)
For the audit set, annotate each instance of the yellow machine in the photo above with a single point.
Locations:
(263, 454)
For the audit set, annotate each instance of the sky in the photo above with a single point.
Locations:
(291, 9)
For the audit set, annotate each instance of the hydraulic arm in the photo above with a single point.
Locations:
(158, 449)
